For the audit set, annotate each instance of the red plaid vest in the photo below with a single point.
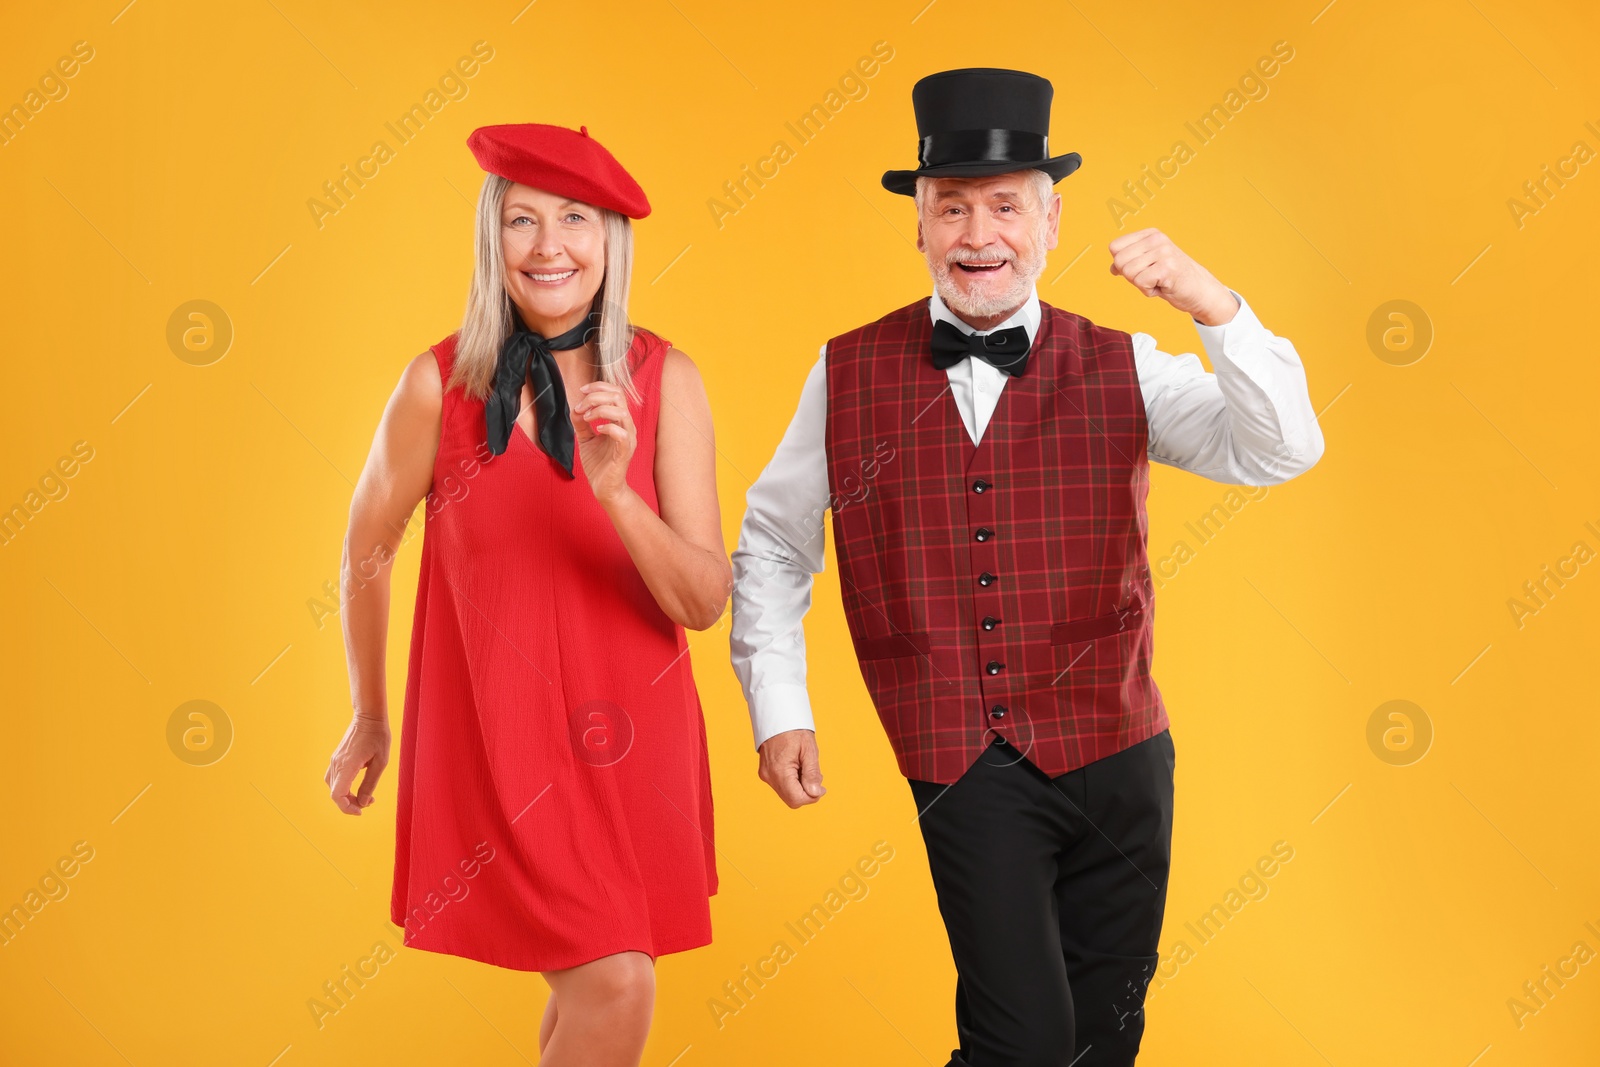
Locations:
(1001, 590)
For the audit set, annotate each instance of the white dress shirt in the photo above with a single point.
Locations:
(1249, 423)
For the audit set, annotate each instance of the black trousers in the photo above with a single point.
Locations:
(1052, 892)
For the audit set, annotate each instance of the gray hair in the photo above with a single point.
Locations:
(1043, 188)
(488, 320)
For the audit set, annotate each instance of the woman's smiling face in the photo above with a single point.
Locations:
(554, 249)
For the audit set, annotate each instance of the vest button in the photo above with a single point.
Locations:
(980, 486)
(986, 579)
(990, 622)
(998, 711)
(994, 666)
(984, 533)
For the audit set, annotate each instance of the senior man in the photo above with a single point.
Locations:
(985, 456)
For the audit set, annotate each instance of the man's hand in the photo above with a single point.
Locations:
(789, 765)
(1157, 267)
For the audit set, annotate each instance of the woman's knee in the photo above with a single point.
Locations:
(629, 982)
(619, 989)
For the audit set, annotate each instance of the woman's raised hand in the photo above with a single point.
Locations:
(606, 438)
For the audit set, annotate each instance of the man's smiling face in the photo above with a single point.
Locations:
(985, 240)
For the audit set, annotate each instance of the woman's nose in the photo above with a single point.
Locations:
(546, 244)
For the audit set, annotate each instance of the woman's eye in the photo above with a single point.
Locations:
(573, 215)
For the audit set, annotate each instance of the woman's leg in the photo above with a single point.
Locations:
(604, 1014)
(547, 1025)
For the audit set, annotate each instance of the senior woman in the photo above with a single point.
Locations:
(554, 808)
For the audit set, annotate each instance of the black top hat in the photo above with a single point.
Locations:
(980, 121)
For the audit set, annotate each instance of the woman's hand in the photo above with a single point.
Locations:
(606, 438)
(676, 543)
(365, 744)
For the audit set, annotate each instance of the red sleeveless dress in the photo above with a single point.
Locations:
(554, 798)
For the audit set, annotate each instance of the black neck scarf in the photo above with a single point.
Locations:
(527, 355)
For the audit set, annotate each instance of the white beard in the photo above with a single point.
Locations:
(980, 302)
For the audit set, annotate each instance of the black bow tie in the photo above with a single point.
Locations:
(526, 355)
(1005, 350)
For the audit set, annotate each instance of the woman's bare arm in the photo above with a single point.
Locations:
(397, 475)
(680, 554)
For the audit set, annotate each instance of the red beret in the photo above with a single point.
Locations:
(558, 160)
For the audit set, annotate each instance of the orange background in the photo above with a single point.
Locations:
(181, 559)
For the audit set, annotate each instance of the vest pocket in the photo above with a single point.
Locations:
(901, 644)
(1075, 630)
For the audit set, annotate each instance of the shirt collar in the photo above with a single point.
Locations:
(1027, 316)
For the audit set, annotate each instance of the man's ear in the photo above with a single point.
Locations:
(1055, 222)
(920, 246)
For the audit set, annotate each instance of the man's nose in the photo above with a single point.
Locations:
(979, 230)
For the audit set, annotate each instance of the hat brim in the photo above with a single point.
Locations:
(904, 182)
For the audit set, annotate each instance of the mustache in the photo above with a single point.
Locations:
(982, 255)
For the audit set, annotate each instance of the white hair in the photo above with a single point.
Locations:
(488, 320)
